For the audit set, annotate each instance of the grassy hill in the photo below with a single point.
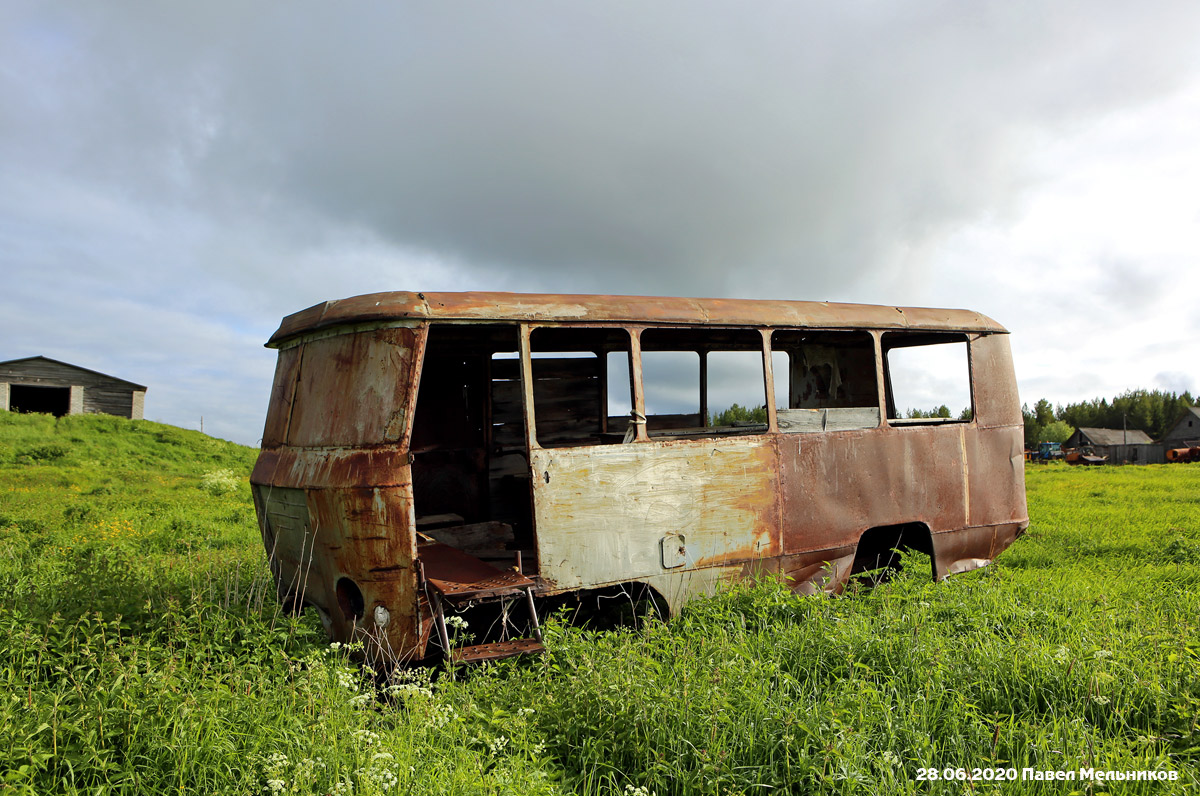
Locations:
(99, 513)
(141, 652)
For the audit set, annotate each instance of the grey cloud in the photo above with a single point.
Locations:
(175, 178)
(675, 149)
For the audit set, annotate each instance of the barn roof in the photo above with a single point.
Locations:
(1115, 436)
(550, 308)
(73, 367)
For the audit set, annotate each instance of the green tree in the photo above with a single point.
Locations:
(1043, 412)
(1152, 411)
(1031, 426)
(1055, 431)
(941, 411)
(738, 414)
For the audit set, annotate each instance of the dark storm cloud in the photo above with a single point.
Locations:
(176, 177)
(674, 148)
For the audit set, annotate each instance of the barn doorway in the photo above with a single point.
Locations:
(45, 400)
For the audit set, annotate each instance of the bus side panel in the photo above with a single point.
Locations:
(616, 513)
(994, 447)
(994, 383)
(996, 463)
(837, 485)
(998, 515)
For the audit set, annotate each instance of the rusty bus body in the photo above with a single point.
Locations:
(445, 440)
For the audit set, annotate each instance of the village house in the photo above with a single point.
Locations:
(1185, 433)
(41, 384)
(1121, 446)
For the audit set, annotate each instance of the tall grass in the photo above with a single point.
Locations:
(141, 651)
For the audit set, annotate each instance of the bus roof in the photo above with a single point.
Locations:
(553, 308)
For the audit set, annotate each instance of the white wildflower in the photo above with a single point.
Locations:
(220, 482)
(440, 716)
(346, 679)
(366, 736)
(408, 690)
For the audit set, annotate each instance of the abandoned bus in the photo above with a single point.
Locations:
(427, 452)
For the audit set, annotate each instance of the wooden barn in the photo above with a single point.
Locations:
(1121, 446)
(41, 384)
(1185, 433)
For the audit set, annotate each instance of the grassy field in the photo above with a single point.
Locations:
(141, 652)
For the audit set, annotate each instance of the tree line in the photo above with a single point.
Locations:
(1152, 411)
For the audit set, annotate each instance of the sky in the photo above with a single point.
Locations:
(175, 178)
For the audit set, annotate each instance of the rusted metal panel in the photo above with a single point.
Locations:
(819, 570)
(333, 467)
(352, 389)
(457, 574)
(996, 470)
(549, 308)
(971, 548)
(360, 535)
(838, 484)
(1183, 454)
(279, 411)
(601, 512)
(284, 523)
(993, 382)
(335, 435)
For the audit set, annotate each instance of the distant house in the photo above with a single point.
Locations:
(41, 384)
(1121, 446)
(1185, 433)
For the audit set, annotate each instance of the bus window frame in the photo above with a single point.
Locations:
(883, 381)
(889, 407)
(873, 334)
(636, 375)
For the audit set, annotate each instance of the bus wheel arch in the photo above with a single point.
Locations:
(877, 548)
(618, 604)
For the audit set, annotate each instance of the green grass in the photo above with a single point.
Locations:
(141, 652)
